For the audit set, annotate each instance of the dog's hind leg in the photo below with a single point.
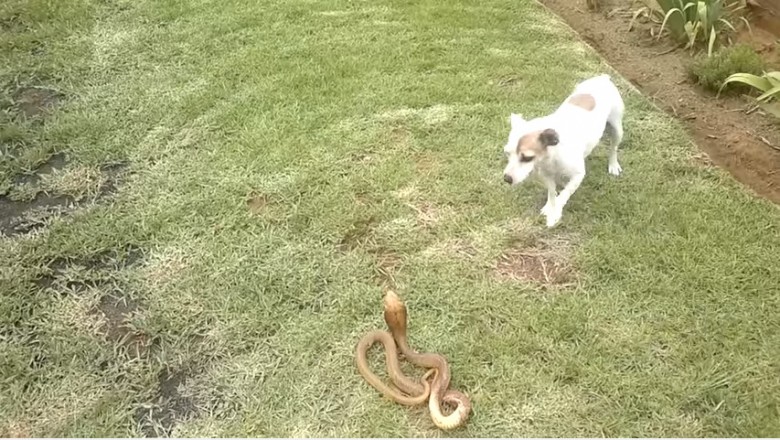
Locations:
(615, 127)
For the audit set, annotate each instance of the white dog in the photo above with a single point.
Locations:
(555, 146)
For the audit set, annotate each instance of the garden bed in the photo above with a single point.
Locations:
(744, 142)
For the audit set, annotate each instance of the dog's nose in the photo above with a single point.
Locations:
(507, 178)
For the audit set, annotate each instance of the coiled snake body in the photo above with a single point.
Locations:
(412, 392)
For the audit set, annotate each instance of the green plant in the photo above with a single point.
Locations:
(711, 72)
(693, 21)
(768, 84)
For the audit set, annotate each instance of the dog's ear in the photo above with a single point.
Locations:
(548, 137)
(515, 120)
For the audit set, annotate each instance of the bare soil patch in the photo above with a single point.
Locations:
(22, 217)
(15, 429)
(426, 163)
(747, 145)
(60, 273)
(114, 173)
(387, 265)
(257, 202)
(427, 213)
(32, 102)
(386, 261)
(358, 234)
(169, 406)
(543, 263)
(25, 216)
(55, 162)
(117, 310)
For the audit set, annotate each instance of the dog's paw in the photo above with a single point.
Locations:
(553, 217)
(615, 169)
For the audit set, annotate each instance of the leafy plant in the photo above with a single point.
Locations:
(693, 21)
(711, 72)
(768, 84)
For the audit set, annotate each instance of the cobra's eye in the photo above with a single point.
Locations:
(526, 158)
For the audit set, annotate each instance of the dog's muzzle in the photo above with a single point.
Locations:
(508, 179)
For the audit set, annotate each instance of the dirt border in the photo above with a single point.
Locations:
(746, 145)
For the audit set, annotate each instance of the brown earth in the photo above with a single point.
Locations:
(35, 101)
(766, 15)
(529, 258)
(531, 265)
(747, 144)
(169, 406)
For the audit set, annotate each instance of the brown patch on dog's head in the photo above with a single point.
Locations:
(585, 101)
(534, 144)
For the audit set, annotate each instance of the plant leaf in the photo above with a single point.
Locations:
(712, 42)
(728, 24)
(703, 15)
(754, 81)
(769, 94)
(773, 76)
(676, 27)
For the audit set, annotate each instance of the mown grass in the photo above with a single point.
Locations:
(286, 158)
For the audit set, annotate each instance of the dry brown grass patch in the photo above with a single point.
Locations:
(165, 266)
(256, 202)
(546, 263)
(428, 214)
(359, 233)
(400, 135)
(387, 265)
(116, 315)
(426, 163)
(703, 159)
(15, 429)
(458, 248)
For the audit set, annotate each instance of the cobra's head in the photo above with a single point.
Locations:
(395, 312)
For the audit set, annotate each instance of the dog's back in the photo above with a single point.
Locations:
(598, 95)
(593, 105)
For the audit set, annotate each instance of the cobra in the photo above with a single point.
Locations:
(412, 392)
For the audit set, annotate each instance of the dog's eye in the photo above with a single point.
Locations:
(524, 158)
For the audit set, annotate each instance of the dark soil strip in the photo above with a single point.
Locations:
(55, 162)
(15, 216)
(748, 146)
(105, 263)
(169, 408)
(12, 213)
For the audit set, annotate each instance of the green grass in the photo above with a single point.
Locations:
(383, 122)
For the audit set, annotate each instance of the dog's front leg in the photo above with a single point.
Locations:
(549, 207)
(560, 201)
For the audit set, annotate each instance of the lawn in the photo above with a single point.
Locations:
(242, 179)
